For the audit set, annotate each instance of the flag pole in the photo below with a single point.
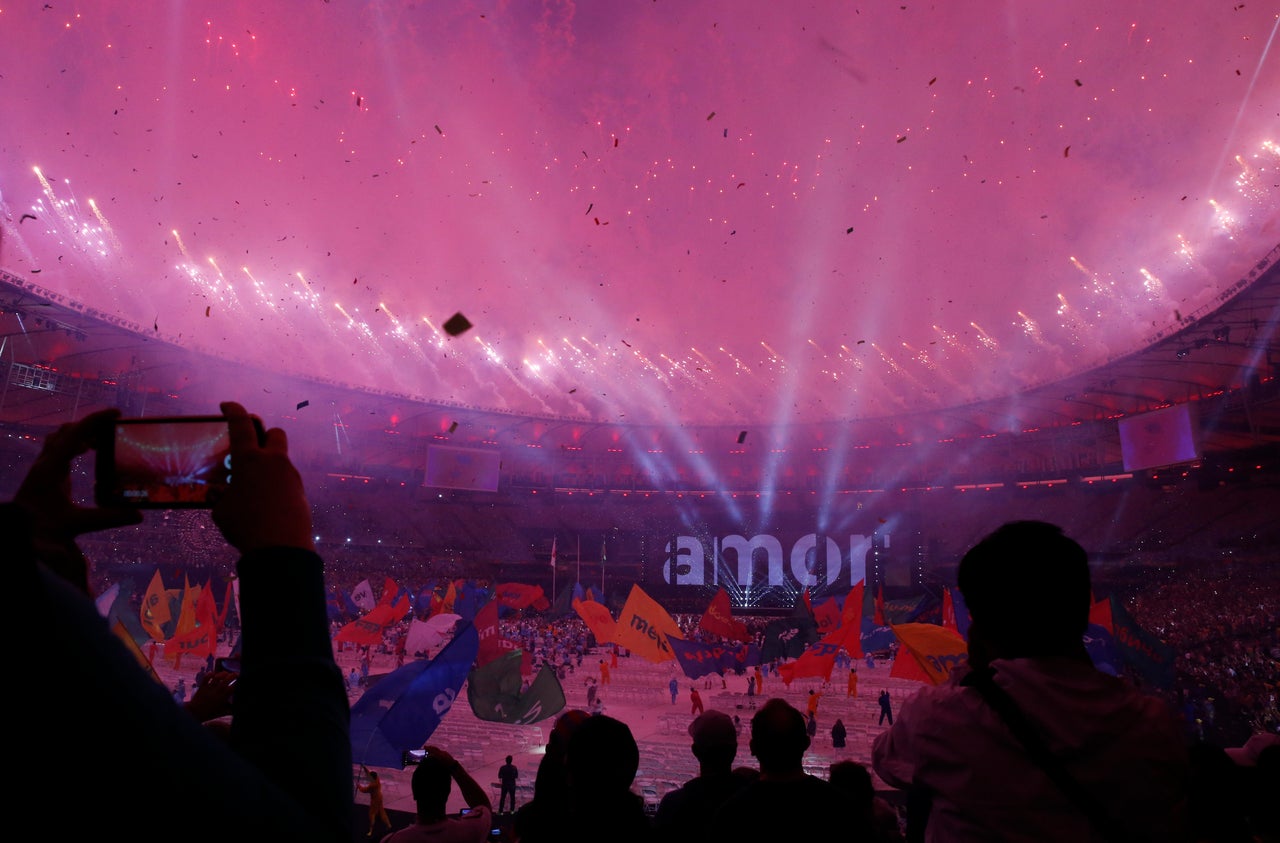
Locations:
(579, 575)
(553, 567)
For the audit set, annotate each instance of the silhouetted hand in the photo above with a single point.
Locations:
(264, 505)
(443, 757)
(212, 697)
(45, 497)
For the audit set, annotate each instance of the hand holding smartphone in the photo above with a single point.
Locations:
(165, 463)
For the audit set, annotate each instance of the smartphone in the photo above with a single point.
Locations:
(165, 463)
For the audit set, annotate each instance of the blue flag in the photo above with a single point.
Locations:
(699, 659)
(471, 598)
(874, 637)
(1102, 649)
(404, 708)
(1148, 655)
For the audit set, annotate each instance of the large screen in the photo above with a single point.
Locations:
(462, 468)
(1160, 438)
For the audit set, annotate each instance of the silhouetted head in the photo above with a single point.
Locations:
(603, 757)
(432, 780)
(779, 737)
(1027, 589)
(715, 739)
(853, 779)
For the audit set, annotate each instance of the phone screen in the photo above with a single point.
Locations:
(164, 463)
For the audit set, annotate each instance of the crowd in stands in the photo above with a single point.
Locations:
(1222, 620)
(1027, 740)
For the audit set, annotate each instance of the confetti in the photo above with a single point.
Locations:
(712, 114)
(359, 101)
(1066, 151)
(742, 437)
(934, 79)
(726, 133)
(453, 427)
(439, 131)
(25, 217)
(849, 230)
(302, 404)
(206, 310)
(589, 207)
(615, 143)
(901, 139)
(457, 324)
(575, 389)
(627, 344)
(1079, 84)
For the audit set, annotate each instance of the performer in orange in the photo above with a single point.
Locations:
(604, 672)
(377, 811)
(853, 682)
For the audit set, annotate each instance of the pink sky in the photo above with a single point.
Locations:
(704, 211)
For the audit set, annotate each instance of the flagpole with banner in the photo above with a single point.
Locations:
(579, 574)
(603, 542)
(553, 566)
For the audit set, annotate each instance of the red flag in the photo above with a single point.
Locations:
(718, 619)
(516, 595)
(367, 629)
(389, 591)
(817, 660)
(1100, 614)
(486, 624)
(851, 621)
(226, 604)
(949, 612)
(879, 616)
(493, 644)
(905, 666)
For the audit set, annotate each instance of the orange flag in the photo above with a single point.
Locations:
(643, 627)
(155, 608)
(187, 612)
(597, 618)
(201, 639)
(937, 650)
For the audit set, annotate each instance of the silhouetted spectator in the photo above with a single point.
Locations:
(1027, 587)
(507, 775)
(870, 815)
(539, 820)
(602, 759)
(685, 814)
(432, 780)
(285, 770)
(785, 802)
